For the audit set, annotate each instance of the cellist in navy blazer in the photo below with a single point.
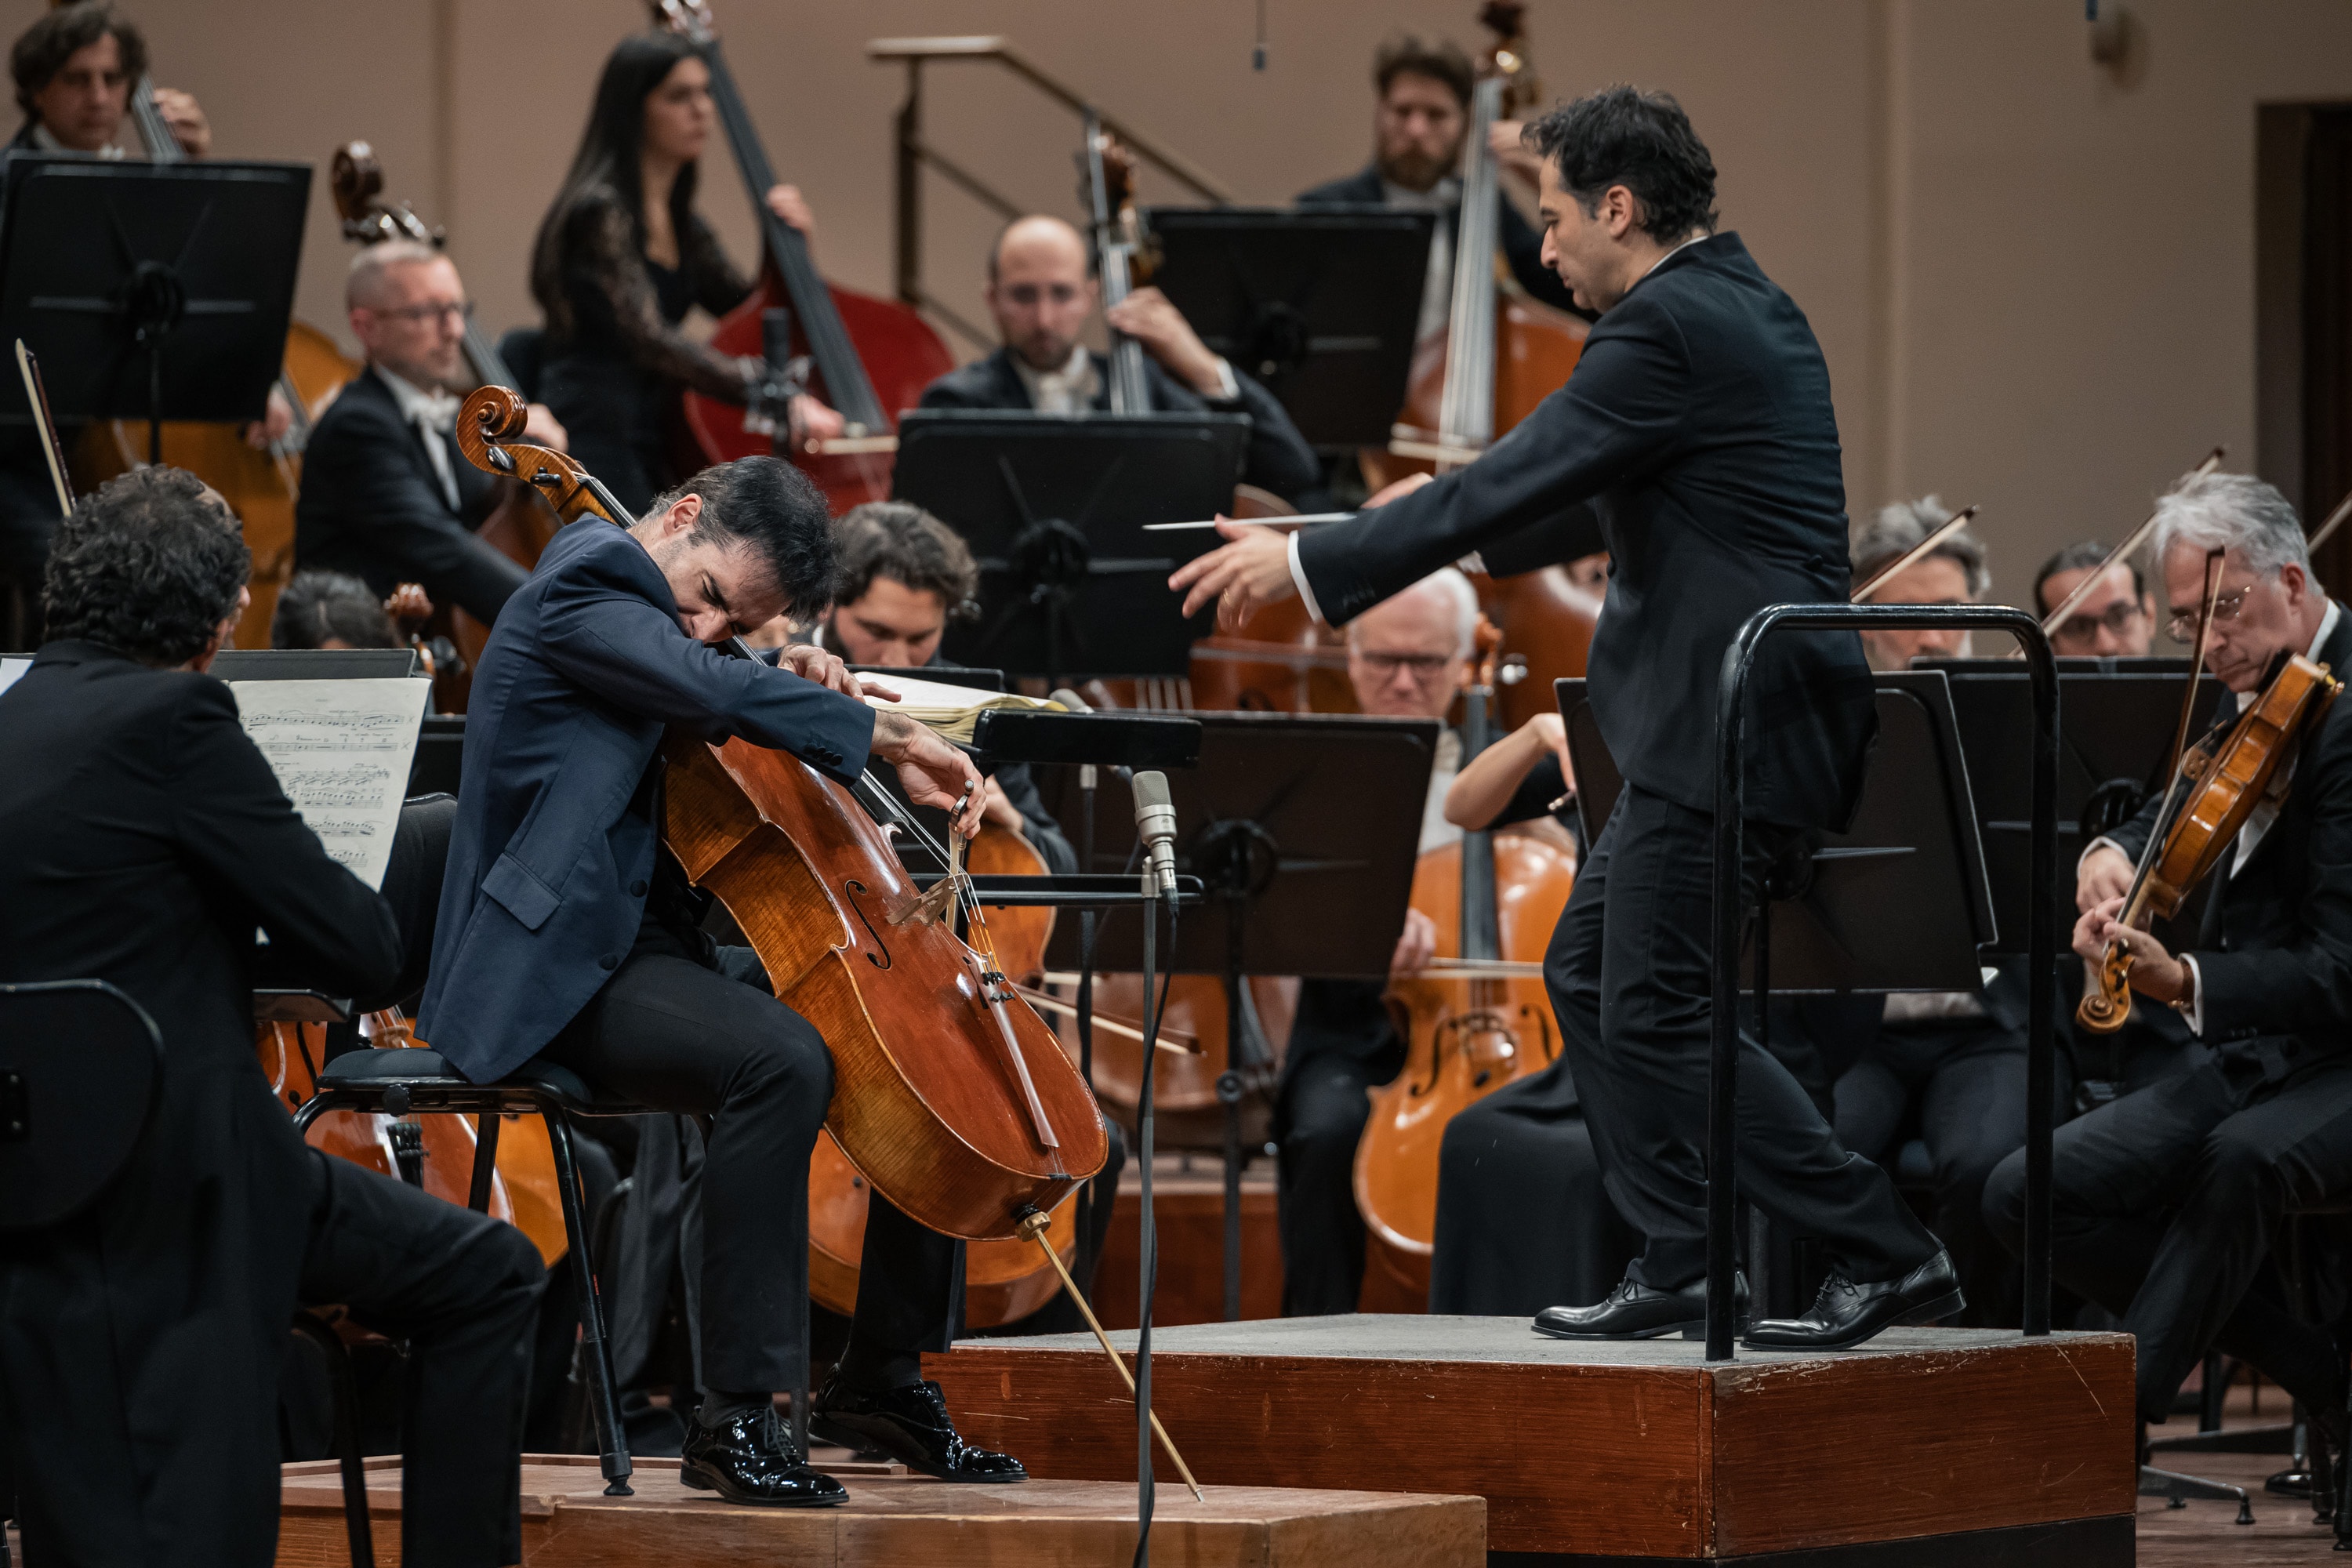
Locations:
(566, 930)
(1699, 424)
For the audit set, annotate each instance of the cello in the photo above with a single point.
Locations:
(870, 357)
(1478, 1018)
(1500, 354)
(950, 1098)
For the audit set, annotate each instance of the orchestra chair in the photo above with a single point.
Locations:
(402, 1082)
(310, 1326)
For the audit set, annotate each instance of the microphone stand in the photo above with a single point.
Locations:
(1149, 1246)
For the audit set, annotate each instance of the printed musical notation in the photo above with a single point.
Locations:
(342, 751)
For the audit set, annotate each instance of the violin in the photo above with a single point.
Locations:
(519, 524)
(950, 1097)
(1478, 1018)
(2215, 788)
(870, 357)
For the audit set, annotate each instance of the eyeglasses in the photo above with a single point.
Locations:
(1424, 666)
(418, 315)
(2116, 617)
(2183, 623)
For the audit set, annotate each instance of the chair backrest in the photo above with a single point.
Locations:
(80, 1072)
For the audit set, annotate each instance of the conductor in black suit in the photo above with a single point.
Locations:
(386, 495)
(142, 839)
(1699, 423)
(1042, 290)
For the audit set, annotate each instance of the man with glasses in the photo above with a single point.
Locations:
(386, 494)
(1954, 572)
(2167, 1199)
(1407, 658)
(2115, 620)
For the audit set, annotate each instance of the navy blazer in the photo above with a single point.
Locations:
(1698, 421)
(552, 851)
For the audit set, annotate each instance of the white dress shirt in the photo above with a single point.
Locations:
(434, 414)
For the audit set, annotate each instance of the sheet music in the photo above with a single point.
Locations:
(342, 751)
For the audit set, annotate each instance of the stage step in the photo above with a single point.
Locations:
(892, 1521)
(1928, 1446)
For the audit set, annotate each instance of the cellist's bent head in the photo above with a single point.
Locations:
(740, 545)
(2269, 602)
(153, 565)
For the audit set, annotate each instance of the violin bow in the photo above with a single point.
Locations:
(38, 395)
(2334, 520)
(2138, 536)
(2180, 734)
(1943, 530)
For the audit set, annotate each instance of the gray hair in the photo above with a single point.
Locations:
(364, 285)
(1874, 541)
(2236, 512)
(1456, 588)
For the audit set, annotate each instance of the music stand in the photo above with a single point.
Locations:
(1054, 509)
(1320, 304)
(1304, 828)
(150, 292)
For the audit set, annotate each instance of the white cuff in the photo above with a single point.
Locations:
(2101, 841)
(2195, 1010)
(1299, 580)
(1228, 389)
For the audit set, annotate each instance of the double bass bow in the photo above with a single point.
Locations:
(870, 357)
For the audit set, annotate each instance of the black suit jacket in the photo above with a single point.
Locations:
(2275, 953)
(1279, 460)
(1699, 422)
(372, 506)
(1522, 246)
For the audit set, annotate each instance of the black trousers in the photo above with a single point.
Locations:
(676, 1035)
(2164, 1206)
(1629, 979)
(1961, 1083)
(1341, 1045)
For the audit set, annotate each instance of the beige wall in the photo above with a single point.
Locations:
(2034, 276)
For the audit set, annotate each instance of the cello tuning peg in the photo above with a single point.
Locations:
(1513, 669)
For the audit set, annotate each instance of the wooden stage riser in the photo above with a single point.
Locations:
(1607, 1456)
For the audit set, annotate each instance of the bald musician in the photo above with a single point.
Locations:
(1042, 290)
(1699, 423)
(386, 495)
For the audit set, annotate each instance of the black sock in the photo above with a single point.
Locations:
(877, 1370)
(720, 1407)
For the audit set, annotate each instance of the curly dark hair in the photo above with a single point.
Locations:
(317, 605)
(149, 565)
(1641, 140)
(900, 541)
(1441, 61)
(773, 507)
(42, 49)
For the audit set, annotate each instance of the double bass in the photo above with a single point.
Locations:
(870, 357)
(950, 1097)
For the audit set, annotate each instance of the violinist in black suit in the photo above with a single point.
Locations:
(1042, 290)
(2166, 1201)
(1419, 125)
(142, 839)
(386, 494)
(1699, 424)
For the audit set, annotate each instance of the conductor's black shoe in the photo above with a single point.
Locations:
(1635, 1311)
(910, 1425)
(1845, 1314)
(751, 1460)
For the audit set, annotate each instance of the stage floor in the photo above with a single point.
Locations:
(895, 1520)
(1926, 1443)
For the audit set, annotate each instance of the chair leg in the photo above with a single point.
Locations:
(604, 1398)
(486, 1159)
(356, 1527)
(315, 1107)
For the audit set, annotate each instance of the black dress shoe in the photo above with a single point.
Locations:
(750, 1459)
(1845, 1314)
(909, 1425)
(1634, 1311)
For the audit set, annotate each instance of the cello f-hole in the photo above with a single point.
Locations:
(880, 958)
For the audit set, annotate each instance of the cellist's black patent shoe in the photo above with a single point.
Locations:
(909, 1425)
(751, 1460)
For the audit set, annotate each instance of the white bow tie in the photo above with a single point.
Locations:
(438, 411)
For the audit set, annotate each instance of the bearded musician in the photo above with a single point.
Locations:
(2167, 1200)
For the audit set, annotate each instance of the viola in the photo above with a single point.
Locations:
(519, 524)
(950, 1097)
(1477, 1019)
(871, 357)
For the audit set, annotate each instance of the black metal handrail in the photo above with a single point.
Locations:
(1730, 793)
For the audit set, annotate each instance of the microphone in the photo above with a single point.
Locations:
(1155, 824)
